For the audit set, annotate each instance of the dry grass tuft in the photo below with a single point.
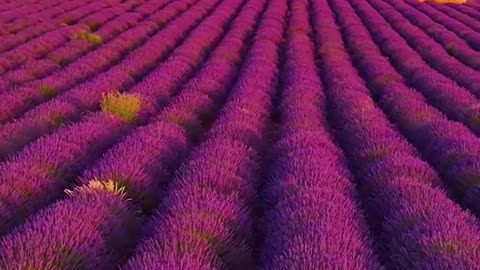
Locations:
(88, 36)
(122, 105)
(97, 185)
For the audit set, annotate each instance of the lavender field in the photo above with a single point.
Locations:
(239, 135)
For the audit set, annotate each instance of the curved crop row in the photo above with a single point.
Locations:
(37, 17)
(9, 6)
(172, 140)
(417, 226)
(433, 53)
(312, 220)
(205, 220)
(82, 97)
(21, 47)
(37, 47)
(456, 102)
(19, 29)
(50, 162)
(239, 134)
(172, 143)
(462, 30)
(158, 85)
(466, 9)
(111, 23)
(453, 44)
(449, 146)
(25, 10)
(109, 229)
(96, 61)
(167, 136)
(12, 40)
(473, 4)
(466, 20)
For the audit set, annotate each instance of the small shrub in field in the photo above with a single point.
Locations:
(88, 36)
(124, 106)
(47, 91)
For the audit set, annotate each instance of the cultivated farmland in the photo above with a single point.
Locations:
(239, 134)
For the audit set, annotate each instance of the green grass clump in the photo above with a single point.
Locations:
(121, 105)
(89, 36)
(47, 91)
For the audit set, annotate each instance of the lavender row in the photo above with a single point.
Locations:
(68, 107)
(449, 146)
(50, 61)
(468, 10)
(9, 6)
(443, 93)
(18, 12)
(37, 175)
(473, 5)
(453, 44)
(106, 33)
(157, 87)
(47, 15)
(27, 20)
(416, 225)
(110, 23)
(312, 220)
(433, 53)
(168, 136)
(40, 47)
(109, 226)
(130, 45)
(453, 100)
(52, 14)
(451, 23)
(464, 19)
(24, 8)
(166, 148)
(52, 160)
(17, 34)
(37, 47)
(205, 219)
(13, 40)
